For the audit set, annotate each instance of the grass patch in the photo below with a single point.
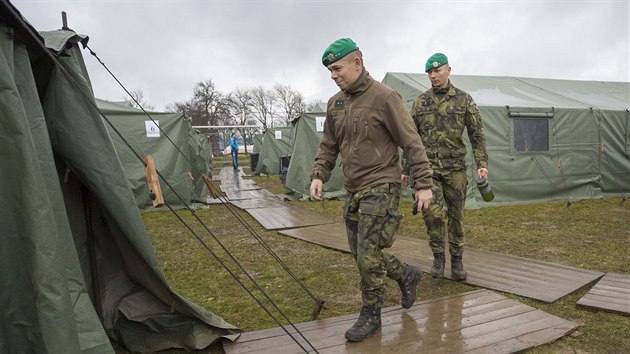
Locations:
(591, 234)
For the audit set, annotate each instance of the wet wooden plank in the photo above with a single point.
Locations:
(242, 185)
(286, 216)
(253, 194)
(611, 293)
(258, 203)
(478, 321)
(228, 173)
(220, 200)
(544, 281)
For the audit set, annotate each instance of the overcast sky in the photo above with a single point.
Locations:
(164, 47)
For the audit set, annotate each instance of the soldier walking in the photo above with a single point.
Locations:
(441, 114)
(366, 122)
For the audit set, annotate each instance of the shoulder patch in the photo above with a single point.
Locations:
(472, 107)
(339, 103)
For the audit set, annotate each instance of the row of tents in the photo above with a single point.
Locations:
(547, 139)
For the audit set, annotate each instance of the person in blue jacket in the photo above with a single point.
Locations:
(234, 146)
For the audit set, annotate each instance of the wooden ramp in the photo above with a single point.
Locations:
(286, 216)
(611, 293)
(480, 321)
(531, 278)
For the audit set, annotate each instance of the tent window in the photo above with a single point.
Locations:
(531, 134)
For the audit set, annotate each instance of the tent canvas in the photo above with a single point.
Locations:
(277, 143)
(307, 132)
(82, 269)
(181, 155)
(258, 142)
(547, 139)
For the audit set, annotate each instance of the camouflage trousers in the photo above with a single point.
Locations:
(372, 220)
(449, 192)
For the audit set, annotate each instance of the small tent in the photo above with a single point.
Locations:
(307, 133)
(547, 139)
(181, 154)
(277, 144)
(78, 267)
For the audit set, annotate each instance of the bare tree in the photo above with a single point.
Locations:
(207, 107)
(242, 101)
(291, 103)
(262, 106)
(137, 100)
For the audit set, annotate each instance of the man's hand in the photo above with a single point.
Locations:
(483, 173)
(423, 196)
(317, 189)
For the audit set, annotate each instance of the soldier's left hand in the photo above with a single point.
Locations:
(483, 173)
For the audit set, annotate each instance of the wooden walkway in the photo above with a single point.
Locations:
(531, 278)
(527, 277)
(286, 216)
(611, 293)
(476, 322)
(480, 321)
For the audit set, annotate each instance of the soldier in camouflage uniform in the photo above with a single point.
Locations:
(366, 122)
(441, 114)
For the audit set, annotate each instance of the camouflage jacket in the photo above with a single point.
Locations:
(441, 123)
(366, 124)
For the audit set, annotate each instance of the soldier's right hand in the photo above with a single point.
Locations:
(317, 189)
(423, 197)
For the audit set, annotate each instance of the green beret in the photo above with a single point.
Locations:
(339, 49)
(435, 61)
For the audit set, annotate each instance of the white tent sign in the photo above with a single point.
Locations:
(319, 124)
(152, 128)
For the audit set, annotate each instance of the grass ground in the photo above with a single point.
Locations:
(590, 234)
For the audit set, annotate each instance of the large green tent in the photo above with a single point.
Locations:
(181, 155)
(547, 139)
(78, 269)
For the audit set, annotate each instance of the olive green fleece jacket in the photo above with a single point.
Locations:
(366, 124)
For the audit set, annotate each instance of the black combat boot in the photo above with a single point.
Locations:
(457, 268)
(368, 323)
(408, 282)
(437, 271)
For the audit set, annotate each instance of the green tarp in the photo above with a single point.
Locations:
(77, 263)
(277, 142)
(181, 155)
(258, 142)
(307, 137)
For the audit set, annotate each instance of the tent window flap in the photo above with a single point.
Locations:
(531, 129)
